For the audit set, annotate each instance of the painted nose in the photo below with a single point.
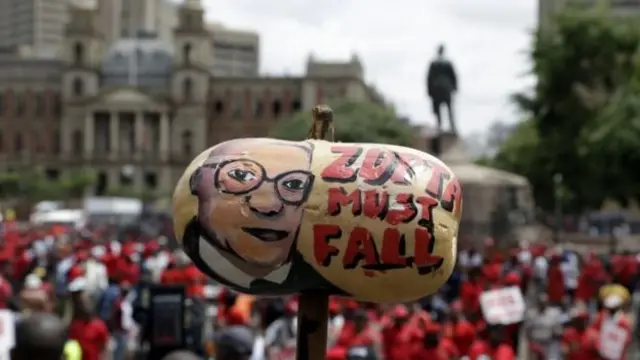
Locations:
(266, 206)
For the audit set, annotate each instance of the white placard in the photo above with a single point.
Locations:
(613, 340)
(503, 306)
(7, 333)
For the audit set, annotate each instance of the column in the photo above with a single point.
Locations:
(114, 134)
(139, 133)
(89, 136)
(165, 136)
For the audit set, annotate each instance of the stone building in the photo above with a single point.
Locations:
(496, 204)
(139, 110)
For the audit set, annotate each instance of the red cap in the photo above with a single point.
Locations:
(400, 311)
(512, 279)
(291, 306)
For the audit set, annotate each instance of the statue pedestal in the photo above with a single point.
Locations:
(441, 143)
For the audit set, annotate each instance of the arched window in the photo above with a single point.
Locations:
(187, 89)
(77, 142)
(187, 138)
(78, 53)
(78, 87)
(186, 53)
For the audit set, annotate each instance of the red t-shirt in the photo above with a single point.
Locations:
(444, 351)
(92, 335)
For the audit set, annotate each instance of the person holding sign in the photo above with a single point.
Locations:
(615, 326)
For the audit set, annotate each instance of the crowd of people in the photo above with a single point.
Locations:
(574, 306)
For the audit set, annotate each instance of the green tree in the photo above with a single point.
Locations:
(581, 111)
(354, 122)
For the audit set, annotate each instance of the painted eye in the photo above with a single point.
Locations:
(242, 176)
(294, 184)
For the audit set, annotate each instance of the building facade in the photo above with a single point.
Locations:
(143, 103)
(235, 52)
(124, 18)
(38, 24)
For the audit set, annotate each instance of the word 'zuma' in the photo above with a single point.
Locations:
(380, 167)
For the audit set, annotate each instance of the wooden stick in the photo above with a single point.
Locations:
(313, 307)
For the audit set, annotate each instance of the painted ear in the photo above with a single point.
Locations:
(194, 181)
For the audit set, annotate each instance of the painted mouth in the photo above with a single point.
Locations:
(266, 235)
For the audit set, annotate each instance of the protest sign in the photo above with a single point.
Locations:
(503, 306)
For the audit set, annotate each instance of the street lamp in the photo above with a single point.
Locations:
(557, 200)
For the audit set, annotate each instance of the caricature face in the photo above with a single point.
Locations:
(250, 199)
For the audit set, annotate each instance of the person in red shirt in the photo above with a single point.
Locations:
(555, 281)
(227, 314)
(88, 330)
(495, 348)
(398, 336)
(128, 269)
(464, 333)
(434, 346)
(578, 340)
(194, 281)
(470, 291)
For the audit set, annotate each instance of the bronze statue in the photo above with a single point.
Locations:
(441, 84)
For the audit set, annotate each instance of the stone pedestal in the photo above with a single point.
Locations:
(439, 144)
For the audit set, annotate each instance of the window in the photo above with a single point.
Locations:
(276, 108)
(187, 89)
(219, 107)
(258, 109)
(1, 104)
(78, 87)
(297, 105)
(78, 53)
(36, 142)
(18, 144)
(237, 106)
(186, 142)
(57, 106)
(56, 142)
(151, 180)
(186, 53)
(40, 105)
(77, 142)
(52, 174)
(20, 105)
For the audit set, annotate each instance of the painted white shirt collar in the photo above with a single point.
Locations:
(225, 269)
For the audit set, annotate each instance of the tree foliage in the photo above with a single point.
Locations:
(32, 185)
(583, 119)
(354, 122)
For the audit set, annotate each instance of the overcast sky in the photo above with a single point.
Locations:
(395, 39)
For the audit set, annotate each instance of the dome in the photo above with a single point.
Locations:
(145, 58)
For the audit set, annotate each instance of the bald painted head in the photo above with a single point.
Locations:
(39, 336)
